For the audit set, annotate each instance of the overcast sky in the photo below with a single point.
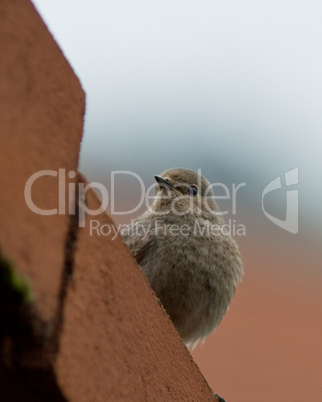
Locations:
(221, 83)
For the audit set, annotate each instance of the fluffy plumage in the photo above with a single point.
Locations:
(191, 262)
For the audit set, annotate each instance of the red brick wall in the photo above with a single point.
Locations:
(93, 330)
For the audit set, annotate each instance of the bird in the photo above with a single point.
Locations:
(186, 253)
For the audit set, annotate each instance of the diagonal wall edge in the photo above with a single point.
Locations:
(112, 340)
(41, 115)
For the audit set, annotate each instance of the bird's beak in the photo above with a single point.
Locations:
(163, 182)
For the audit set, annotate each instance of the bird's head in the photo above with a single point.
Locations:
(184, 191)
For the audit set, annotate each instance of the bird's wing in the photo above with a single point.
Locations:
(139, 240)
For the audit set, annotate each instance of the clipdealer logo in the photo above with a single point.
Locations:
(67, 195)
(290, 223)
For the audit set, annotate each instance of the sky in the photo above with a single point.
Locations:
(233, 88)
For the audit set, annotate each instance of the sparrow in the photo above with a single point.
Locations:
(186, 253)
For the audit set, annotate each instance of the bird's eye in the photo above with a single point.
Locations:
(193, 191)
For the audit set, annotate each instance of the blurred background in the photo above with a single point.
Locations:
(234, 89)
